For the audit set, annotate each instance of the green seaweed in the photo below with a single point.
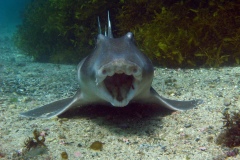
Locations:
(186, 33)
(13, 100)
(60, 31)
(172, 33)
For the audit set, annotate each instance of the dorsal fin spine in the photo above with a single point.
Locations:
(110, 35)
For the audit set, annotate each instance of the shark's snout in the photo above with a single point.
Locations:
(119, 79)
(119, 66)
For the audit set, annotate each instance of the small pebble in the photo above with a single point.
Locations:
(187, 125)
(64, 155)
(203, 148)
(97, 145)
(227, 101)
(210, 138)
(197, 139)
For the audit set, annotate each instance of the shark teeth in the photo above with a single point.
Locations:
(118, 79)
(119, 66)
(101, 78)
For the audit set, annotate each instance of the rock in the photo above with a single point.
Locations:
(227, 101)
(187, 125)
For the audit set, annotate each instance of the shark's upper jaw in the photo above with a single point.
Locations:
(119, 80)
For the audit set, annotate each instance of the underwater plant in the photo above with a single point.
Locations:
(33, 142)
(60, 31)
(172, 33)
(2, 155)
(186, 33)
(230, 136)
(34, 146)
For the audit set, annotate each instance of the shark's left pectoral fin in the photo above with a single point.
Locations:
(53, 109)
(172, 104)
(50, 110)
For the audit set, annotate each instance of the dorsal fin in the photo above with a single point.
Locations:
(105, 31)
(99, 26)
(110, 35)
(108, 30)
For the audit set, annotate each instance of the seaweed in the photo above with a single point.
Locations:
(172, 33)
(2, 155)
(35, 145)
(60, 31)
(35, 141)
(187, 33)
(230, 136)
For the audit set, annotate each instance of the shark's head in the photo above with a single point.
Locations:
(117, 70)
(121, 71)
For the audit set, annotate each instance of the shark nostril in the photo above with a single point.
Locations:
(104, 72)
(134, 70)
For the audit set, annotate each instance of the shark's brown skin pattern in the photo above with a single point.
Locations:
(117, 73)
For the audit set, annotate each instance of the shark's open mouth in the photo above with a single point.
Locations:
(118, 81)
(119, 85)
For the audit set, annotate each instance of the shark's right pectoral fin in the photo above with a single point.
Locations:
(172, 104)
(53, 109)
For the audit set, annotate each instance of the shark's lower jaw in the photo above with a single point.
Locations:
(118, 80)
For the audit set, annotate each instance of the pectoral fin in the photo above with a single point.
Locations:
(50, 110)
(53, 109)
(172, 104)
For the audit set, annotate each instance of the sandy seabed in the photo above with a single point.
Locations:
(138, 132)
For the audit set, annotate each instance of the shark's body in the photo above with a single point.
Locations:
(117, 73)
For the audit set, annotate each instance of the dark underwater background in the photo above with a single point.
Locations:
(11, 15)
(174, 33)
